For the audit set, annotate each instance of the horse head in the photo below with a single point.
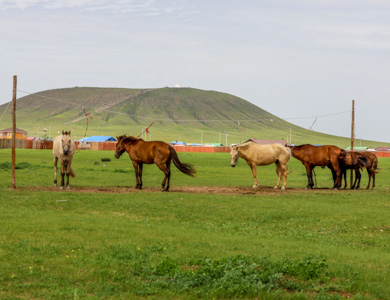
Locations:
(66, 142)
(122, 143)
(120, 148)
(234, 155)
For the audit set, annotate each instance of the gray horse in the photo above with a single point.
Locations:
(63, 149)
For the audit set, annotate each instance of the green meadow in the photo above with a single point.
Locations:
(104, 240)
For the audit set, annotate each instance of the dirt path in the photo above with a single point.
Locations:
(224, 190)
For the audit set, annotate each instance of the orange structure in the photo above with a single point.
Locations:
(7, 134)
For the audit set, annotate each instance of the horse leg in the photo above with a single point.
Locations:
(68, 174)
(345, 178)
(284, 171)
(357, 179)
(309, 173)
(279, 172)
(140, 167)
(167, 173)
(168, 165)
(337, 174)
(334, 176)
(55, 161)
(253, 167)
(135, 165)
(62, 174)
(369, 178)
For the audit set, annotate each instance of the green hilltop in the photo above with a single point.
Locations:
(186, 114)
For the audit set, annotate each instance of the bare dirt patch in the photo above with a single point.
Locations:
(189, 189)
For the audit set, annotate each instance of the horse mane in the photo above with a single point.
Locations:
(128, 139)
(246, 144)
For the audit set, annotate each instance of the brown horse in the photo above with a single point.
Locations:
(358, 161)
(156, 152)
(371, 166)
(351, 161)
(324, 156)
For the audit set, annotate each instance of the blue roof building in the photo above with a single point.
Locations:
(98, 138)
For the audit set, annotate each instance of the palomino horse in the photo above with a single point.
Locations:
(63, 149)
(324, 156)
(261, 155)
(159, 153)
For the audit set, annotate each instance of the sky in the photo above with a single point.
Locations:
(301, 60)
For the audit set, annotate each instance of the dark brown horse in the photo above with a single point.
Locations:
(324, 156)
(156, 152)
(352, 161)
(357, 161)
(371, 166)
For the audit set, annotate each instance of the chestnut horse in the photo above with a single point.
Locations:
(155, 152)
(324, 156)
(261, 155)
(63, 150)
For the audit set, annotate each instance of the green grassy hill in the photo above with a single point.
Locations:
(186, 114)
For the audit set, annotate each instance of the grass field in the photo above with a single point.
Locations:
(104, 240)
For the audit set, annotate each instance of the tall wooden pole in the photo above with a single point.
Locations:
(14, 131)
(352, 134)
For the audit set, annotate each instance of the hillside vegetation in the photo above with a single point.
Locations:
(186, 114)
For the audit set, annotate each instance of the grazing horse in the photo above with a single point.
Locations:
(352, 161)
(63, 149)
(371, 166)
(324, 156)
(155, 152)
(261, 155)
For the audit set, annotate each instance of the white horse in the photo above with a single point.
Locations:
(261, 155)
(63, 149)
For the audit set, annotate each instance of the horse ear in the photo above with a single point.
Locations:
(63, 132)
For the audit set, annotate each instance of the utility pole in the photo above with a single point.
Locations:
(13, 185)
(352, 133)
(226, 134)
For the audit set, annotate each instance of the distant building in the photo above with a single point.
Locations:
(267, 142)
(357, 148)
(382, 149)
(7, 134)
(98, 138)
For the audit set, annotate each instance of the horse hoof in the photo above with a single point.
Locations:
(276, 187)
(283, 188)
(61, 187)
(68, 188)
(255, 187)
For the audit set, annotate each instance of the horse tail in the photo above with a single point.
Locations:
(289, 156)
(71, 173)
(375, 168)
(183, 167)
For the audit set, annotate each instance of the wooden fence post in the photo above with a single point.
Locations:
(13, 185)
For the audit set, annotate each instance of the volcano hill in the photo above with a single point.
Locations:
(186, 114)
